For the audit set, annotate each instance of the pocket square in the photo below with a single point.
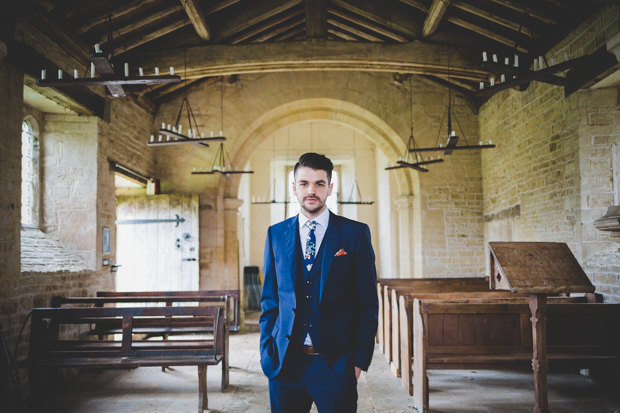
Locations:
(341, 252)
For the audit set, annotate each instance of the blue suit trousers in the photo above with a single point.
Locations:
(310, 379)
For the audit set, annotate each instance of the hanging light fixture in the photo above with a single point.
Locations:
(360, 200)
(453, 138)
(414, 161)
(222, 164)
(101, 63)
(174, 133)
(272, 188)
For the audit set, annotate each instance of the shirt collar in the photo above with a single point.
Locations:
(322, 219)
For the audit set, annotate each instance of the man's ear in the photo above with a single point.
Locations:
(329, 192)
(294, 189)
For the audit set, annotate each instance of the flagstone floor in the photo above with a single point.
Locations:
(176, 390)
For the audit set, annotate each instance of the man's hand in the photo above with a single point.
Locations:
(358, 371)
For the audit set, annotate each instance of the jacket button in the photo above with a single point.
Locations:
(305, 326)
(308, 297)
(288, 337)
(309, 282)
(293, 311)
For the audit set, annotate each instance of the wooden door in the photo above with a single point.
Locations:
(157, 256)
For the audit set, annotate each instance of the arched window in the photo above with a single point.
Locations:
(29, 175)
(332, 200)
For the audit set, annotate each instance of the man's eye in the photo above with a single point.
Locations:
(319, 185)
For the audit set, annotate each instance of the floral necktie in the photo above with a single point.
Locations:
(310, 253)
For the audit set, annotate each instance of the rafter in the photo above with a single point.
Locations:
(353, 30)
(529, 11)
(171, 88)
(119, 13)
(435, 13)
(219, 6)
(316, 19)
(341, 35)
(287, 35)
(148, 19)
(256, 13)
(282, 29)
(214, 60)
(197, 17)
(151, 36)
(491, 17)
(367, 25)
(486, 32)
(266, 26)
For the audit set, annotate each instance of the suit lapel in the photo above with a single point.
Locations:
(292, 238)
(332, 239)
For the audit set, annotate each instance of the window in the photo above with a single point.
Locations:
(332, 200)
(29, 175)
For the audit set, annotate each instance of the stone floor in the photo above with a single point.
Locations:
(176, 390)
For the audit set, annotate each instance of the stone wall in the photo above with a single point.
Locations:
(11, 108)
(551, 174)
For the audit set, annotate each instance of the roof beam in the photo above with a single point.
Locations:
(367, 25)
(151, 36)
(353, 30)
(219, 6)
(197, 17)
(280, 30)
(217, 60)
(256, 13)
(485, 32)
(513, 5)
(148, 19)
(266, 26)
(435, 13)
(316, 19)
(491, 17)
(292, 33)
(341, 35)
(119, 13)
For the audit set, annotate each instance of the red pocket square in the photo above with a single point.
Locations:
(341, 252)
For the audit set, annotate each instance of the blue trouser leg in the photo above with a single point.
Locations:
(294, 390)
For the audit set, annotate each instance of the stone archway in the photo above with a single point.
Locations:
(365, 123)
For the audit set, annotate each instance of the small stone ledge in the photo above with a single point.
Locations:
(41, 254)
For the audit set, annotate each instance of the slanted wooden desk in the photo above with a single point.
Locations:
(537, 268)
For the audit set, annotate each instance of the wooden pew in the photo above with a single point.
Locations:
(235, 295)
(421, 285)
(155, 328)
(497, 297)
(48, 349)
(450, 335)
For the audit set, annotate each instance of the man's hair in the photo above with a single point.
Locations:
(317, 162)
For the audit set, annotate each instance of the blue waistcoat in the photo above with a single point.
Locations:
(307, 294)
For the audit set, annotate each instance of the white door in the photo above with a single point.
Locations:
(155, 255)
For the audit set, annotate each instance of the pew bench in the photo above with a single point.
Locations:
(156, 327)
(385, 286)
(487, 336)
(49, 349)
(234, 318)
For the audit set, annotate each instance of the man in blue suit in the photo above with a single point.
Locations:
(319, 301)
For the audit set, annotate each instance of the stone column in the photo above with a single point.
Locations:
(231, 243)
(404, 206)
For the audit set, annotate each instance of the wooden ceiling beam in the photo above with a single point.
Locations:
(367, 25)
(292, 33)
(119, 13)
(435, 13)
(256, 13)
(353, 30)
(217, 60)
(316, 19)
(132, 44)
(486, 32)
(385, 16)
(156, 94)
(197, 17)
(219, 6)
(272, 23)
(417, 4)
(342, 35)
(459, 4)
(148, 19)
(282, 29)
(513, 5)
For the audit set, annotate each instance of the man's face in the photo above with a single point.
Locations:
(312, 189)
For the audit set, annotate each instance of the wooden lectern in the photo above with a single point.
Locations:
(537, 268)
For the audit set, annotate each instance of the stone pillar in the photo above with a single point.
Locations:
(404, 206)
(231, 243)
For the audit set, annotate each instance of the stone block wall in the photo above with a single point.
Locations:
(11, 107)
(551, 175)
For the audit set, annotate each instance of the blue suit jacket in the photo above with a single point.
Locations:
(348, 295)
